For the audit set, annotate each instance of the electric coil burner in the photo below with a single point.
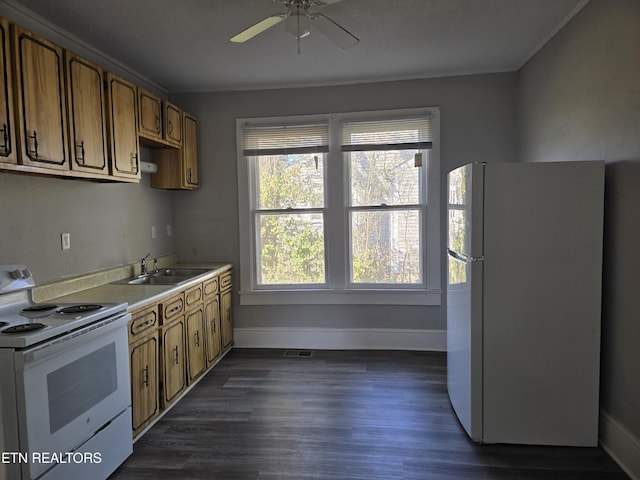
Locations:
(24, 328)
(79, 309)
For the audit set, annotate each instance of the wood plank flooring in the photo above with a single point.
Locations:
(337, 415)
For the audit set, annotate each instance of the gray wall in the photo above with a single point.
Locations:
(477, 124)
(579, 98)
(109, 223)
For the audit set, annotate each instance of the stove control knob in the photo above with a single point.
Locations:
(17, 274)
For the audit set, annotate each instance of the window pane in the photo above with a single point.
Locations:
(290, 181)
(385, 246)
(290, 248)
(384, 177)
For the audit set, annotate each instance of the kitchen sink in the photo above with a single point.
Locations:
(167, 276)
(181, 272)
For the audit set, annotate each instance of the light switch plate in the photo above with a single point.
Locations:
(66, 241)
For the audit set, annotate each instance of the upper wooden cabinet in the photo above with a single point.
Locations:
(41, 101)
(172, 123)
(7, 131)
(124, 149)
(87, 118)
(178, 168)
(149, 115)
(190, 174)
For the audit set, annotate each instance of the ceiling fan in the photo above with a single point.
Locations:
(298, 20)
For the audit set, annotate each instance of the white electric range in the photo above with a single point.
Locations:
(65, 409)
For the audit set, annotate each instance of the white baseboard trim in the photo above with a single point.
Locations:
(622, 445)
(341, 338)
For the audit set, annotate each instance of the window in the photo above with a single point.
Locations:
(340, 208)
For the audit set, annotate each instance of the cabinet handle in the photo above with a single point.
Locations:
(158, 123)
(81, 156)
(5, 138)
(34, 137)
(228, 314)
(146, 376)
(213, 327)
(176, 352)
(189, 174)
(197, 338)
(170, 127)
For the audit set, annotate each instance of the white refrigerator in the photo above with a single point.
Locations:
(524, 301)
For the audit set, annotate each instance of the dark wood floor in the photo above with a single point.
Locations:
(336, 415)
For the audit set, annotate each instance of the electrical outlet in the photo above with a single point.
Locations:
(66, 241)
(169, 230)
(153, 231)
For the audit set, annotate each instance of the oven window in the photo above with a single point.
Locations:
(78, 386)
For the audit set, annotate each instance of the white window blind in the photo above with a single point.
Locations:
(285, 139)
(387, 134)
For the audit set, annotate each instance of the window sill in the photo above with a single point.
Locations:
(340, 297)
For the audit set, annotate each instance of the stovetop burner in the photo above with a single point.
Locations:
(80, 308)
(43, 307)
(23, 328)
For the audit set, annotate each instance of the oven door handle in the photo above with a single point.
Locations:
(25, 358)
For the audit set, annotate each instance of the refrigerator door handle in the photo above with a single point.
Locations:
(463, 258)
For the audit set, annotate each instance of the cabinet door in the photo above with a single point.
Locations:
(87, 119)
(41, 103)
(124, 149)
(195, 344)
(150, 114)
(212, 328)
(7, 134)
(190, 152)
(227, 319)
(172, 124)
(173, 363)
(144, 382)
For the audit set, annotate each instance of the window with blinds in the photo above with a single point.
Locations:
(387, 202)
(288, 215)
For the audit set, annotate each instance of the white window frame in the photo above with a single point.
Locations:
(338, 289)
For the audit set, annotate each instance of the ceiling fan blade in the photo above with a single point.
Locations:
(334, 32)
(258, 28)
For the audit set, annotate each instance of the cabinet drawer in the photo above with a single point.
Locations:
(193, 296)
(210, 287)
(142, 322)
(225, 281)
(172, 307)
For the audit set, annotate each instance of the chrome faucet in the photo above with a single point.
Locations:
(143, 265)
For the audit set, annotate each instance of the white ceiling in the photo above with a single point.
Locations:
(183, 45)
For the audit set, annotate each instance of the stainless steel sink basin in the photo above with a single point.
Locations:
(153, 280)
(181, 272)
(167, 276)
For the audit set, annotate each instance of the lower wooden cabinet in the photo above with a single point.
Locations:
(144, 381)
(173, 361)
(226, 301)
(196, 364)
(212, 328)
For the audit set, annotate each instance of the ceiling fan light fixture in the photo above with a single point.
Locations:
(298, 23)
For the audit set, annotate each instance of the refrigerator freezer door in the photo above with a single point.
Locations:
(464, 296)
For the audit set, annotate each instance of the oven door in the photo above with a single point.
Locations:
(70, 388)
